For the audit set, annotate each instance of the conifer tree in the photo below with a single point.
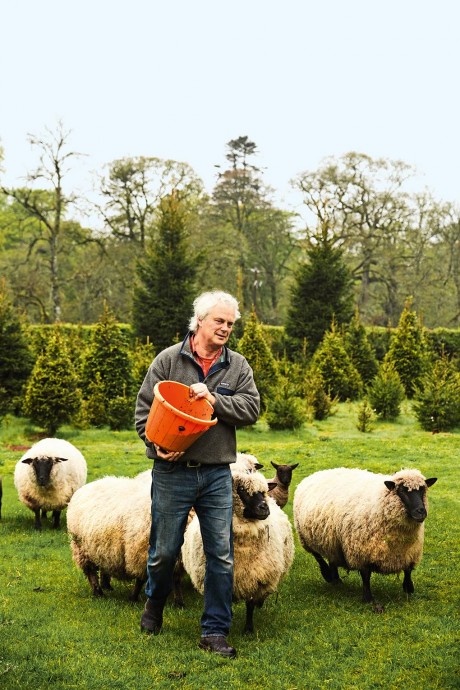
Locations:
(163, 296)
(360, 350)
(93, 410)
(107, 361)
(437, 398)
(408, 349)
(16, 359)
(340, 376)
(254, 347)
(322, 291)
(386, 392)
(285, 410)
(52, 396)
(318, 400)
(366, 417)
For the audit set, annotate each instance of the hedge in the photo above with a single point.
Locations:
(439, 339)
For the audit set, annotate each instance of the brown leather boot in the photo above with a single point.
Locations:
(218, 645)
(152, 616)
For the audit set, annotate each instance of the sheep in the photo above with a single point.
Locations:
(363, 521)
(47, 476)
(262, 538)
(108, 521)
(281, 481)
(246, 462)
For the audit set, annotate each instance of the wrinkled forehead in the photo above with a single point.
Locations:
(221, 310)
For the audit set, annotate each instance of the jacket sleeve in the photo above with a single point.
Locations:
(243, 407)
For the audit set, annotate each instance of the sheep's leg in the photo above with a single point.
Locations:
(366, 578)
(178, 596)
(326, 571)
(249, 624)
(105, 580)
(38, 522)
(334, 573)
(91, 572)
(56, 519)
(44, 515)
(408, 585)
(137, 588)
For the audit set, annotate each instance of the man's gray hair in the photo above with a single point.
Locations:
(206, 301)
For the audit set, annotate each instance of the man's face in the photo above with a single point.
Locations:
(215, 328)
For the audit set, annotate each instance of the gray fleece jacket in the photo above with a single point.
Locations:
(231, 382)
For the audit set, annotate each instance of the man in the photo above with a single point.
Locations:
(200, 476)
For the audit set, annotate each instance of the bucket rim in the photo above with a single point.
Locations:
(179, 413)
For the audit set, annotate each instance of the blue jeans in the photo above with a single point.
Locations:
(177, 488)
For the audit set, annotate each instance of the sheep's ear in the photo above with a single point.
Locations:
(274, 465)
(271, 485)
(60, 459)
(258, 466)
(431, 481)
(390, 485)
(294, 466)
(28, 461)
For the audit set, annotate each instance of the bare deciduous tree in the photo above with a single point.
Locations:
(44, 200)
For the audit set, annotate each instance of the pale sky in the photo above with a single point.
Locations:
(303, 79)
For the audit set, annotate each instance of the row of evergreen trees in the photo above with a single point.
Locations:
(345, 367)
(95, 383)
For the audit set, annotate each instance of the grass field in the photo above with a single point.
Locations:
(55, 635)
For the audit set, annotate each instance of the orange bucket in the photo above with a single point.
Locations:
(175, 420)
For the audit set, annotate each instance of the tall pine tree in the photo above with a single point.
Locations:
(408, 350)
(322, 292)
(163, 297)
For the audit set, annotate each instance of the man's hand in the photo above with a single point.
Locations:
(200, 390)
(169, 456)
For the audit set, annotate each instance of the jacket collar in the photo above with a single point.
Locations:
(186, 350)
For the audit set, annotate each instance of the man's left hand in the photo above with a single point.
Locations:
(200, 391)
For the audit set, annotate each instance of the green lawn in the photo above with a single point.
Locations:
(55, 635)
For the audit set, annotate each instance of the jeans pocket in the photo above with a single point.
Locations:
(163, 467)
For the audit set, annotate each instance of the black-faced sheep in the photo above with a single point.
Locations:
(108, 521)
(262, 538)
(363, 521)
(47, 476)
(282, 481)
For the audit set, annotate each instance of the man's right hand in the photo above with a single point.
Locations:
(169, 456)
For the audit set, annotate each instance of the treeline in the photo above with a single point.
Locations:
(156, 238)
(89, 376)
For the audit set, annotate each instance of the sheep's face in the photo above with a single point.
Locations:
(250, 495)
(255, 506)
(42, 467)
(284, 472)
(412, 496)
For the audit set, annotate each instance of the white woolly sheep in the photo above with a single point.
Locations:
(108, 521)
(246, 463)
(363, 521)
(47, 476)
(262, 538)
(281, 482)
